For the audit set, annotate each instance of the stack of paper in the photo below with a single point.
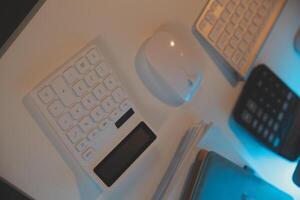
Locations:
(172, 184)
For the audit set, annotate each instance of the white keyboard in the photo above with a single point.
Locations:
(84, 103)
(236, 29)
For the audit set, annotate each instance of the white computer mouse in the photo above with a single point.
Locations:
(169, 68)
(297, 41)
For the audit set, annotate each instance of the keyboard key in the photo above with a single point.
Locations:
(214, 6)
(65, 122)
(86, 124)
(56, 108)
(276, 127)
(239, 33)
(216, 31)
(71, 75)
(222, 2)
(221, 44)
(102, 70)
(118, 95)
(253, 29)
(259, 83)
(262, 11)
(82, 145)
(274, 111)
(251, 105)
(265, 117)
(230, 6)
(235, 18)
(253, 6)
(267, 4)
(94, 134)
(98, 114)
(88, 154)
(108, 104)
(78, 111)
(254, 124)
(242, 63)
(266, 133)
(271, 138)
(237, 56)
(125, 105)
(234, 42)
(248, 37)
(243, 24)
(257, 20)
(259, 113)
(83, 65)
(285, 106)
(80, 88)
(248, 14)
(230, 28)
(225, 15)
(276, 142)
(270, 122)
(203, 26)
(89, 101)
(211, 18)
(280, 116)
(46, 94)
(110, 82)
(290, 96)
(243, 46)
(75, 134)
(228, 51)
(91, 78)
(104, 124)
(115, 115)
(94, 56)
(244, 2)
(247, 117)
(100, 92)
(260, 129)
(240, 10)
(64, 93)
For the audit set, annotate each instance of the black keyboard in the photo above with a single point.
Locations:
(267, 109)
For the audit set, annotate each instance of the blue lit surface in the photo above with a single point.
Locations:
(217, 99)
(280, 55)
(268, 165)
(196, 86)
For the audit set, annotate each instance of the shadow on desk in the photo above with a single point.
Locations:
(232, 77)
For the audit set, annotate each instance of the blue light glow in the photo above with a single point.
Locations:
(268, 165)
(196, 86)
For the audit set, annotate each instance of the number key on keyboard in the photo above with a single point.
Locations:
(56, 108)
(65, 121)
(83, 65)
(75, 134)
(94, 56)
(46, 94)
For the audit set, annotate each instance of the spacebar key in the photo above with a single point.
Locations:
(62, 90)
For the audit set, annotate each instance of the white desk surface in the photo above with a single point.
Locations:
(29, 160)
